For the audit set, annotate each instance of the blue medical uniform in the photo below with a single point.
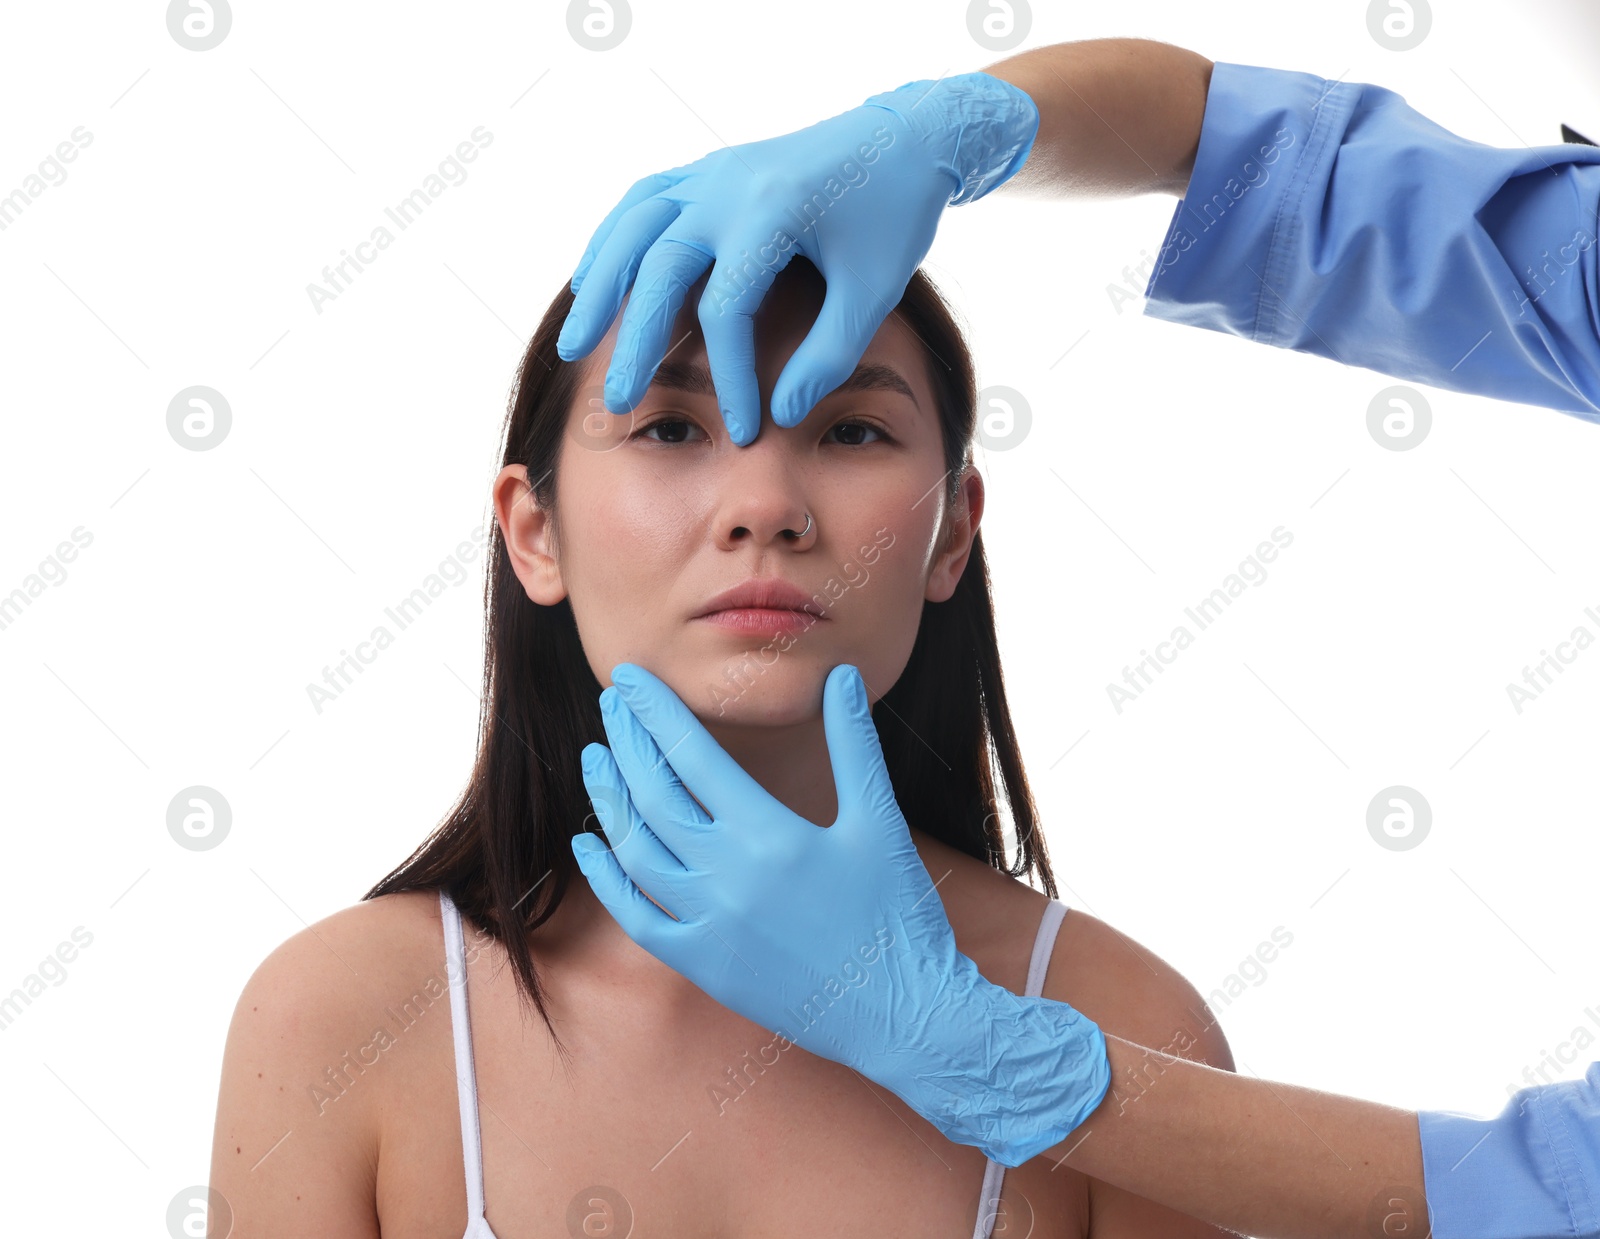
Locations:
(1331, 218)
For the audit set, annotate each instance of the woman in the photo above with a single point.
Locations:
(670, 1114)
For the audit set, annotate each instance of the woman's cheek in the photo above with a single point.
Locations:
(641, 522)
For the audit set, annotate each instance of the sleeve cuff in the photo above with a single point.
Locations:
(1263, 133)
(1529, 1173)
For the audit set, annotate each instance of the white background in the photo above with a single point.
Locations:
(1226, 801)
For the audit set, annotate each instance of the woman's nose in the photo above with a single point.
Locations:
(763, 500)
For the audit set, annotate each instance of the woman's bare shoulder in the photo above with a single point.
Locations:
(316, 998)
(325, 982)
(299, 1107)
(995, 917)
(1131, 992)
(1125, 987)
(359, 943)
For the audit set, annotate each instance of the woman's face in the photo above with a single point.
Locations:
(658, 513)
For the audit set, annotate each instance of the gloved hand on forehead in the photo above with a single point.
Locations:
(859, 194)
(832, 937)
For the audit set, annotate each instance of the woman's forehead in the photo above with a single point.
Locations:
(786, 316)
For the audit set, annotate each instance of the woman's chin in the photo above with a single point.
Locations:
(766, 697)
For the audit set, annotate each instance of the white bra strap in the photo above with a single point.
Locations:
(466, 1072)
(993, 1172)
(1043, 944)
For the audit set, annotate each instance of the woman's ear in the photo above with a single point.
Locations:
(962, 521)
(525, 527)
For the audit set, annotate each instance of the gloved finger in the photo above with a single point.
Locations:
(715, 779)
(653, 787)
(666, 272)
(644, 187)
(640, 919)
(646, 859)
(595, 305)
(739, 281)
(860, 775)
(850, 316)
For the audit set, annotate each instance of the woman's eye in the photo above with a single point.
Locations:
(676, 424)
(673, 428)
(857, 426)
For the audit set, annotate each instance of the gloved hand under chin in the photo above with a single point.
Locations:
(834, 938)
(859, 194)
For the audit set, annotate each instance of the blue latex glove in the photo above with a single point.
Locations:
(859, 194)
(834, 938)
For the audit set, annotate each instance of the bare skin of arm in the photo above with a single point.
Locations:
(1256, 1156)
(283, 1162)
(1118, 118)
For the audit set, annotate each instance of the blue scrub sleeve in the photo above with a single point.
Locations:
(1332, 218)
(1531, 1172)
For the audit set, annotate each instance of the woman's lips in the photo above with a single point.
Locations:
(761, 620)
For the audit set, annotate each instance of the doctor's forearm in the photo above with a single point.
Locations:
(1117, 117)
(1257, 1156)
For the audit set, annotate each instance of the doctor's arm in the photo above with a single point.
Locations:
(1332, 218)
(1257, 1156)
(1284, 1162)
(1117, 117)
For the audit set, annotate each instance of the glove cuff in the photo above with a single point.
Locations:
(980, 127)
(1032, 1072)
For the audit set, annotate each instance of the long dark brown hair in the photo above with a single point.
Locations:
(504, 853)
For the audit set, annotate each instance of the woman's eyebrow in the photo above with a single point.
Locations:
(694, 378)
(874, 376)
